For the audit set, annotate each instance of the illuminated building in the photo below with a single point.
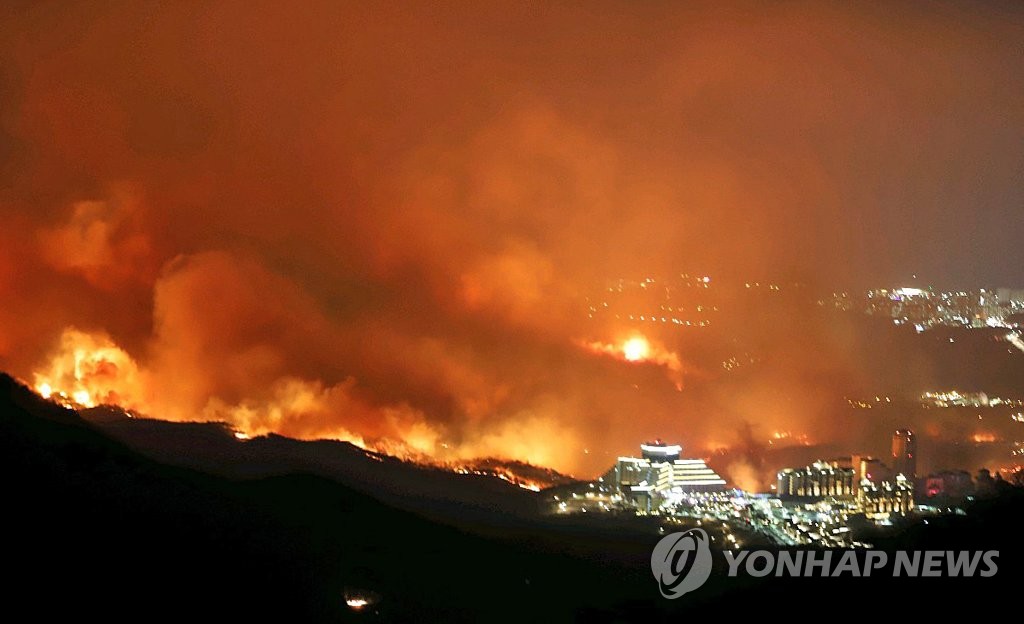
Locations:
(819, 480)
(658, 451)
(635, 471)
(693, 475)
(889, 497)
(660, 470)
(904, 453)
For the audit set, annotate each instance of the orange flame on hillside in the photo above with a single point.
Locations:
(89, 369)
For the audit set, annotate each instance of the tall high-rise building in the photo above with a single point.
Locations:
(904, 453)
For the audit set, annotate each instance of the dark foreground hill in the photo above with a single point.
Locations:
(95, 530)
(213, 448)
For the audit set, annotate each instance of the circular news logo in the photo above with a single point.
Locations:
(681, 562)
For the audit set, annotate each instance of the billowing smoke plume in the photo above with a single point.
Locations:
(383, 224)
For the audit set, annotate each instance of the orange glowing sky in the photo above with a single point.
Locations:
(377, 223)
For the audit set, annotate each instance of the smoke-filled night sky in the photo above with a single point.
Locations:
(379, 222)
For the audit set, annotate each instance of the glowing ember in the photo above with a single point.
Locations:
(357, 600)
(357, 603)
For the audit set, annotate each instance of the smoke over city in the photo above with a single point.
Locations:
(389, 226)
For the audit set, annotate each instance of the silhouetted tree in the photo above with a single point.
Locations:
(985, 484)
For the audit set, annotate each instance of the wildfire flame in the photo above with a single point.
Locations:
(89, 369)
(638, 349)
(504, 474)
(779, 436)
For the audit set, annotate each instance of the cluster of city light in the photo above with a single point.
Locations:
(622, 303)
(923, 309)
(823, 523)
(868, 403)
(926, 309)
(820, 521)
(734, 362)
(663, 319)
(954, 398)
(810, 505)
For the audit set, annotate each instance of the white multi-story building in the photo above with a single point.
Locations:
(660, 471)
